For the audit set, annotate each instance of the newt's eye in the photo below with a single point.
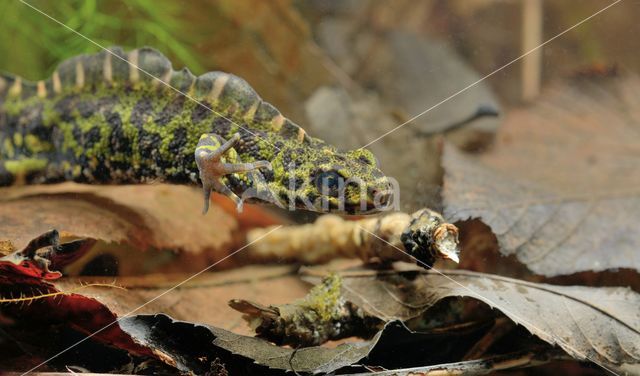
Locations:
(328, 182)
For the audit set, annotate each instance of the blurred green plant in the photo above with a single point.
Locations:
(32, 45)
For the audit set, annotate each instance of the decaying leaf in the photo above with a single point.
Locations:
(143, 215)
(601, 325)
(164, 218)
(158, 331)
(561, 188)
(202, 299)
(35, 307)
(424, 235)
(321, 316)
(391, 346)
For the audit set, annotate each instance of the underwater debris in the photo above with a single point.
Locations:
(44, 256)
(423, 236)
(321, 316)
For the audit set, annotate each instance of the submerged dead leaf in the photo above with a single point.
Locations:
(127, 219)
(561, 188)
(597, 324)
(144, 216)
(202, 299)
(158, 332)
(34, 307)
(192, 346)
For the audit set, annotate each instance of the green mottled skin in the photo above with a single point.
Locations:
(96, 124)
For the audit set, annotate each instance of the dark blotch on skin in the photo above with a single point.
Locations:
(77, 133)
(102, 173)
(120, 167)
(148, 144)
(297, 182)
(312, 197)
(176, 146)
(239, 185)
(107, 103)
(11, 123)
(86, 108)
(31, 117)
(172, 109)
(300, 202)
(288, 161)
(118, 140)
(268, 175)
(65, 106)
(248, 143)
(366, 160)
(221, 127)
(289, 130)
(140, 112)
(91, 137)
(200, 112)
(33, 124)
(284, 196)
(179, 159)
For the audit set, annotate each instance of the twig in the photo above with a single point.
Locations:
(320, 316)
(424, 235)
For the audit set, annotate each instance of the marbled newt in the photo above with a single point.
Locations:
(105, 118)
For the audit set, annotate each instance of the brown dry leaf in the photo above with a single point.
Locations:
(598, 324)
(190, 345)
(166, 219)
(561, 188)
(203, 299)
(145, 216)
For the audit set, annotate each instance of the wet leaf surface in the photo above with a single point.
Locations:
(203, 299)
(35, 307)
(560, 189)
(159, 331)
(143, 216)
(392, 346)
(597, 324)
(129, 220)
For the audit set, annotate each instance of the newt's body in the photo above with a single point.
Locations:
(98, 119)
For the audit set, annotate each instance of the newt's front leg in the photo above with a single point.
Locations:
(209, 152)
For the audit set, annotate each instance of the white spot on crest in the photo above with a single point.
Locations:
(42, 89)
(107, 69)
(252, 111)
(79, 74)
(218, 86)
(132, 58)
(301, 134)
(57, 86)
(16, 88)
(277, 122)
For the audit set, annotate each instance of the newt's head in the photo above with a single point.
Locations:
(315, 176)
